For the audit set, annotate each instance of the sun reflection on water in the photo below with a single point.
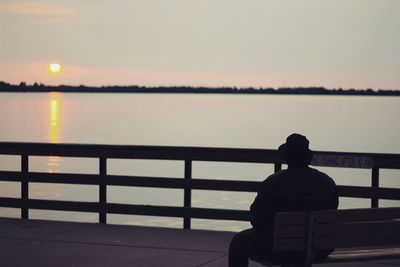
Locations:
(54, 121)
(54, 129)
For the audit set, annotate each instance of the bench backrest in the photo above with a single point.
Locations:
(304, 231)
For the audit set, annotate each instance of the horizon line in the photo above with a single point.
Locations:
(42, 88)
(233, 88)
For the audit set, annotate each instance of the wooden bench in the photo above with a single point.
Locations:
(356, 234)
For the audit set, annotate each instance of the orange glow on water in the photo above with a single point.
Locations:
(54, 129)
(54, 120)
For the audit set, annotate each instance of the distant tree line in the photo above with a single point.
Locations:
(23, 87)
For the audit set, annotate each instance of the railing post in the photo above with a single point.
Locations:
(102, 190)
(375, 185)
(277, 167)
(24, 186)
(187, 194)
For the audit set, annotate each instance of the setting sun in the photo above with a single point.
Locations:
(55, 68)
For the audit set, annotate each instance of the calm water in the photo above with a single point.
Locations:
(332, 123)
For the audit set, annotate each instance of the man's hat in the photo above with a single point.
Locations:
(296, 150)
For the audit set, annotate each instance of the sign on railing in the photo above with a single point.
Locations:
(343, 161)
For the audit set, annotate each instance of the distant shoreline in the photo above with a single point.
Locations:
(40, 88)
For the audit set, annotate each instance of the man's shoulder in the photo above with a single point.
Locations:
(277, 175)
(276, 178)
(321, 175)
(317, 172)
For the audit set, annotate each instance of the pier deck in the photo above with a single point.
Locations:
(50, 243)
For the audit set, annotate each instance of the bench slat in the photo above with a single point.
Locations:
(350, 215)
(338, 242)
(356, 228)
(357, 240)
(354, 215)
(364, 255)
(351, 255)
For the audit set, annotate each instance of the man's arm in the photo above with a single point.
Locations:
(262, 211)
(335, 195)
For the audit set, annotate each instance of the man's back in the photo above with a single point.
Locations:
(299, 189)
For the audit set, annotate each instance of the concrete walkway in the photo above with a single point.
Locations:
(48, 243)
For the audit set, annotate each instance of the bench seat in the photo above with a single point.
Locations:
(357, 234)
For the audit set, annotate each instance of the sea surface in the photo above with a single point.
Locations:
(331, 123)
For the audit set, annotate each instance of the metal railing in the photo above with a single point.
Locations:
(186, 154)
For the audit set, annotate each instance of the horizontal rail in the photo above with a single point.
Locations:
(180, 183)
(114, 208)
(379, 160)
(140, 181)
(141, 152)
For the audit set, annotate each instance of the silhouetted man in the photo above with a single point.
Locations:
(299, 188)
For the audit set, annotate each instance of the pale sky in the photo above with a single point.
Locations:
(259, 43)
